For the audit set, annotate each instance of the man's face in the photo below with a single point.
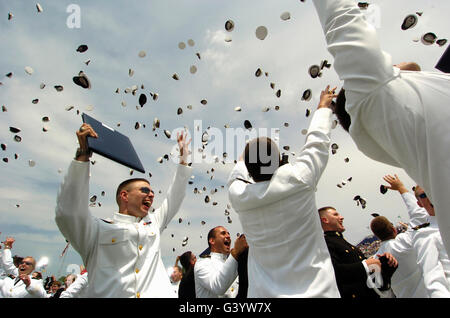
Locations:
(221, 242)
(26, 266)
(69, 280)
(139, 198)
(423, 201)
(54, 288)
(334, 221)
(176, 275)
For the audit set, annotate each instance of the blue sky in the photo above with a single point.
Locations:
(115, 32)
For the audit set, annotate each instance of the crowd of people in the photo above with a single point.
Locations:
(290, 248)
(19, 278)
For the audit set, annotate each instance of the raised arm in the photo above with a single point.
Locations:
(177, 190)
(6, 258)
(358, 58)
(417, 215)
(313, 157)
(73, 217)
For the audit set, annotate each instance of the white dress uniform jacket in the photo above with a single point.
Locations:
(407, 281)
(78, 288)
(397, 117)
(8, 262)
(288, 256)
(16, 288)
(123, 257)
(215, 276)
(433, 259)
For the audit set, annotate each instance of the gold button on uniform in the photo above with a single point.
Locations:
(346, 251)
(353, 296)
(113, 240)
(137, 270)
(138, 295)
(360, 257)
(140, 247)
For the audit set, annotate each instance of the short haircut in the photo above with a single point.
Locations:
(57, 283)
(212, 234)
(261, 163)
(324, 209)
(38, 275)
(125, 184)
(382, 228)
(339, 109)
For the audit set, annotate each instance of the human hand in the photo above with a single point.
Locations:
(392, 261)
(240, 245)
(326, 97)
(395, 183)
(26, 279)
(373, 261)
(8, 243)
(82, 134)
(183, 145)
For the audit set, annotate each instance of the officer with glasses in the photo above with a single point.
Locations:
(22, 285)
(122, 256)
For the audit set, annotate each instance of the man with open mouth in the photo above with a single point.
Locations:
(215, 274)
(22, 286)
(122, 256)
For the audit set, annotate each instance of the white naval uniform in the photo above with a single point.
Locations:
(433, 259)
(123, 257)
(398, 117)
(20, 290)
(78, 288)
(7, 262)
(407, 281)
(215, 276)
(288, 256)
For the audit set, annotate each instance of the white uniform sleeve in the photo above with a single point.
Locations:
(417, 215)
(73, 217)
(306, 169)
(433, 271)
(217, 282)
(313, 157)
(358, 58)
(175, 196)
(8, 263)
(37, 289)
(76, 288)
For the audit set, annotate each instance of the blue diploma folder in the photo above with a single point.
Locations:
(112, 144)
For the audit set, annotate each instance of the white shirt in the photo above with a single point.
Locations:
(215, 276)
(288, 256)
(123, 257)
(19, 290)
(7, 262)
(398, 117)
(407, 281)
(433, 259)
(78, 288)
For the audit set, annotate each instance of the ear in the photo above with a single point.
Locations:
(123, 195)
(324, 220)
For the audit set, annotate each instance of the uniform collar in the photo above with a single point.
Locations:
(220, 256)
(333, 233)
(123, 218)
